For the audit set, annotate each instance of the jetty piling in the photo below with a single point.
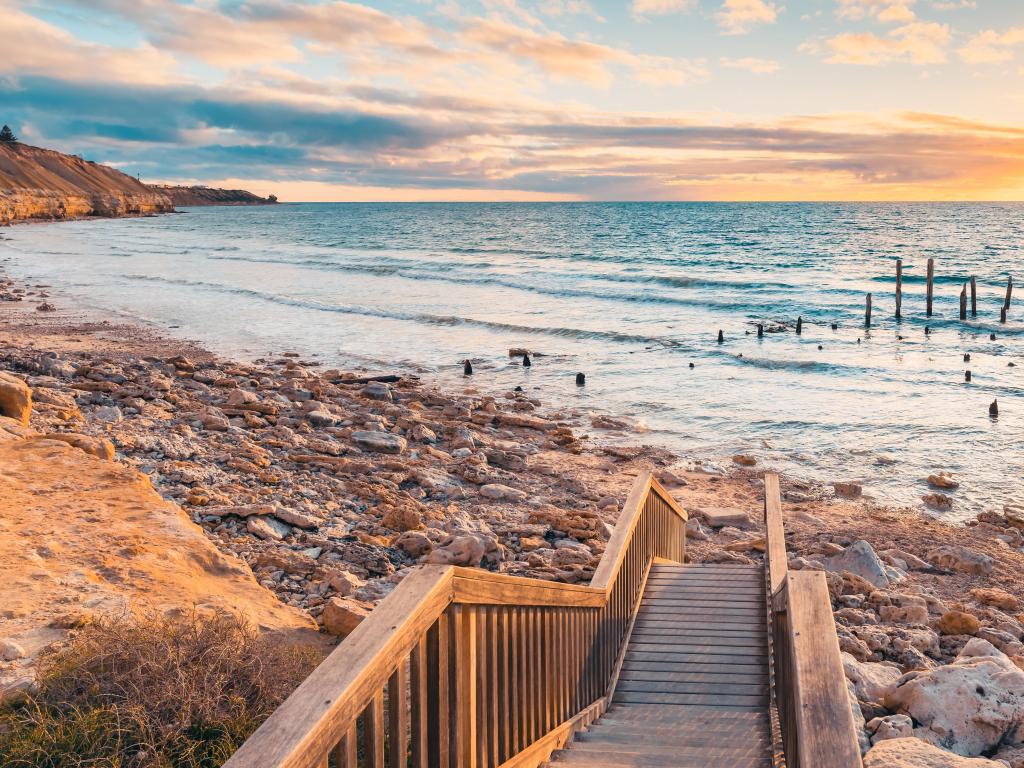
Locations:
(581, 379)
(760, 330)
(1009, 292)
(931, 285)
(799, 325)
(899, 288)
(721, 336)
(967, 375)
(974, 296)
(526, 361)
(467, 368)
(867, 311)
(993, 410)
(1002, 314)
(963, 302)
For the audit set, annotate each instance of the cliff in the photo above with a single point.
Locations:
(188, 196)
(38, 183)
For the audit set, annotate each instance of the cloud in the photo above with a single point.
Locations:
(751, 64)
(919, 43)
(886, 11)
(954, 5)
(662, 7)
(990, 46)
(737, 17)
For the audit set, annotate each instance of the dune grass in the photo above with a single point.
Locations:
(151, 693)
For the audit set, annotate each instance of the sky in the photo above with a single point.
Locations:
(530, 99)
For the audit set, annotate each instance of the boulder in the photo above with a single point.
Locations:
(379, 442)
(267, 528)
(905, 609)
(961, 559)
(970, 706)
(914, 753)
(344, 583)
(464, 549)
(342, 615)
(377, 390)
(296, 518)
(15, 398)
(959, 623)
(998, 598)
(890, 727)
(414, 543)
(871, 681)
(860, 559)
(720, 517)
(500, 492)
(847, 490)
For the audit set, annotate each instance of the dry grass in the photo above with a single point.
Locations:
(152, 693)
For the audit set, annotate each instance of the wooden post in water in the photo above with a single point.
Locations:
(974, 296)
(799, 325)
(867, 312)
(963, 302)
(931, 284)
(1002, 315)
(899, 288)
(1009, 292)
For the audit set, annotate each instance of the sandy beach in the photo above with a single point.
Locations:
(329, 488)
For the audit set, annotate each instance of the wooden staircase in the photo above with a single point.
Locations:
(693, 691)
(654, 663)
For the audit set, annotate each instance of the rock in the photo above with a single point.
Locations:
(10, 650)
(298, 519)
(744, 460)
(970, 706)
(402, 518)
(959, 623)
(99, 447)
(914, 753)
(108, 413)
(871, 680)
(380, 442)
(890, 727)
(938, 501)
(241, 510)
(999, 598)
(322, 418)
(500, 492)
(344, 582)
(342, 615)
(267, 528)
(377, 390)
(961, 559)
(719, 517)
(463, 549)
(847, 490)
(694, 530)
(732, 558)
(414, 544)
(943, 480)
(907, 609)
(15, 398)
(860, 559)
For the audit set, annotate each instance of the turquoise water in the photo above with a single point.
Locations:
(630, 294)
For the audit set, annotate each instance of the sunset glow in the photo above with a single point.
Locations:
(531, 99)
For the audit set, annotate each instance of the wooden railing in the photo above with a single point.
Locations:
(809, 685)
(462, 668)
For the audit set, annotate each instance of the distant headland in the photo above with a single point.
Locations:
(43, 184)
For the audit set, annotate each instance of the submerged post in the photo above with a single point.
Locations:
(867, 312)
(931, 284)
(1002, 315)
(799, 325)
(974, 296)
(899, 288)
(963, 302)
(1009, 292)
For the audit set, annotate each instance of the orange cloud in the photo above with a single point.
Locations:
(737, 17)
(921, 42)
(992, 47)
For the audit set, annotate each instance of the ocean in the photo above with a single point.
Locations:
(632, 295)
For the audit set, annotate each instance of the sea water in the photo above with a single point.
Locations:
(631, 294)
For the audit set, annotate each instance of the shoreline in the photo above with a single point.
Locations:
(331, 488)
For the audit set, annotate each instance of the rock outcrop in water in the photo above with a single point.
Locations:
(38, 183)
(192, 196)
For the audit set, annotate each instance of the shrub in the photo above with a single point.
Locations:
(151, 693)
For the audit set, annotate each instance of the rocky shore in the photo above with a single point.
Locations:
(331, 485)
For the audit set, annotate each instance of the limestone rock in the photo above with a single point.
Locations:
(847, 490)
(15, 398)
(943, 480)
(500, 492)
(914, 753)
(10, 650)
(719, 517)
(463, 549)
(970, 706)
(871, 680)
(959, 623)
(744, 460)
(999, 598)
(414, 543)
(860, 559)
(296, 518)
(342, 615)
(962, 559)
(377, 390)
(379, 442)
(890, 727)
(267, 528)
(344, 583)
(99, 447)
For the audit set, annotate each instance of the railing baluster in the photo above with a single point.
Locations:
(373, 731)
(346, 754)
(418, 707)
(398, 718)
(503, 686)
(465, 691)
(439, 676)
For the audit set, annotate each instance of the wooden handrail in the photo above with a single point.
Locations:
(462, 668)
(809, 684)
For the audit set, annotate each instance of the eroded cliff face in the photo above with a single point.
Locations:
(38, 183)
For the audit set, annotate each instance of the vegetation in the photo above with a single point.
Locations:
(152, 693)
(7, 135)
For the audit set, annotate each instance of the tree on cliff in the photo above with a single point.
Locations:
(7, 135)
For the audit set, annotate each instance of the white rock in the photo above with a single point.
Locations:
(267, 528)
(860, 559)
(720, 517)
(871, 681)
(891, 727)
(298, 519)
(10, 650)
(501, 492)
(914, 753)
(961, 559)
(969, 706)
